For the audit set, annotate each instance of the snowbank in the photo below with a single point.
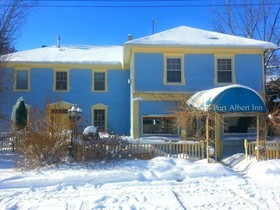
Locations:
(160, 183)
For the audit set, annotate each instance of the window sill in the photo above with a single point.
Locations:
(22, 90)
(61, 91)
(224, 84)
(174, 83)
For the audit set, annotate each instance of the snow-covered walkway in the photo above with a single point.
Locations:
(160, 183)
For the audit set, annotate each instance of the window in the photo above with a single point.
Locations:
(22, 80)
(174, 70)
(99, 81)
(99, 116)
(159, 125)
(61, 80)
(99, 119)
(224, 70)
(239, 125)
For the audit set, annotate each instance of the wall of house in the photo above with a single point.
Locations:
(147, 73)
(249, 71)
(117, 98)
(198, 70)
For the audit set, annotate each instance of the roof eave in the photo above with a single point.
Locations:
(200, 46)
(74, 64)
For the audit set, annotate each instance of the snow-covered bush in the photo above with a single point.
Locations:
(43, 142)
(90, 131)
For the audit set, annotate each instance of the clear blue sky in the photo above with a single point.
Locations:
(79, 22)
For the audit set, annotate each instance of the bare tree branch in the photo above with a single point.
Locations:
(13, 13)
(258, 21)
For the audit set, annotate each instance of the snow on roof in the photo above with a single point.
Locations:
(71, 54)
(193, 37)
(203, 100)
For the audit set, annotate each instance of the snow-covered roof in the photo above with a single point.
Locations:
(193, 37)
(71, 54)
(231, 98)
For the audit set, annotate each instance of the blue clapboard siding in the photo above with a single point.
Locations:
(199, 72)
(117, 98)
(248, 70)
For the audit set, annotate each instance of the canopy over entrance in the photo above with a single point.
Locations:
(232, 98)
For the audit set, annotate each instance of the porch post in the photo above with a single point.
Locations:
(207, 137)
(263, 140)
(265, 127)
(258, 136)
(218, 149)
(135, 119)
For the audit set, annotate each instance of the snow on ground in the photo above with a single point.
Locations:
(160, 183)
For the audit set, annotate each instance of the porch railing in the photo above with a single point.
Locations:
(267, 150)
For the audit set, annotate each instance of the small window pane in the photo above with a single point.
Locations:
(173, 76)
(22, 80)
(99, 81)
(61, 80)
(224, 77)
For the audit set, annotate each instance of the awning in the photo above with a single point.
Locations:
(232, 98)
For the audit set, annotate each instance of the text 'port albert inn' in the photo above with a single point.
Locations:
(131, 89)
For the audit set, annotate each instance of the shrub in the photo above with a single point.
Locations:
(42, 142)
(98, 148)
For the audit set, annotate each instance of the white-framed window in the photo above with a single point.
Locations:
(61, 80)
(174, 70)
(224, 70)
(22, 80)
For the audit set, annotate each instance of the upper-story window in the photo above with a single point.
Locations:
(174, 70)
(22, 80)
(61, 80)
(99, 79)
(224, 70)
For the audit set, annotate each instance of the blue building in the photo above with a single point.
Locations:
(132, 89)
